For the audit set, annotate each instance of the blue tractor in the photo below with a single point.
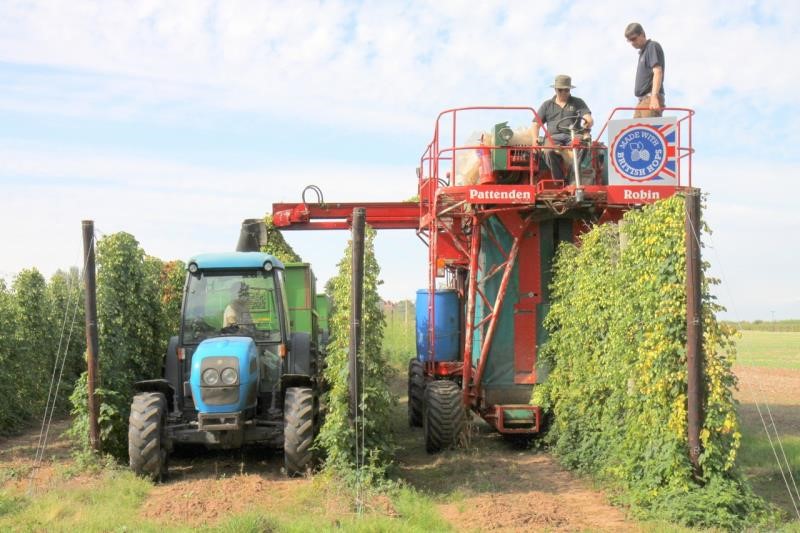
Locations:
(239, 371)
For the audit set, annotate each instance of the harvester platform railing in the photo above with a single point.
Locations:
(434, 152)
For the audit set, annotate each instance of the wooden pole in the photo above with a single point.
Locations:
(90, 305)
(357, 291)
(694, 329)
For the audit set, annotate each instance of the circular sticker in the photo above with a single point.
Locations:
(639, 152)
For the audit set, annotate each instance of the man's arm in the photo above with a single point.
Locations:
(535, 131)
(585, 113)
(536, 125)
(229, 317)
(658, 76)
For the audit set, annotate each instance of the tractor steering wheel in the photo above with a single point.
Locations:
(574, 122)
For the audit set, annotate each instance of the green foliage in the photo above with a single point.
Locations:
(399, 336)
(10, 504)
(34, 341)
(12, 410)
(338, 437)
(67, 315)
(618, 388)
(277, 245)
(133, 329)
(171, 280)
(38, 321)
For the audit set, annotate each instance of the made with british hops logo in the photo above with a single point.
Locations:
(641, 153)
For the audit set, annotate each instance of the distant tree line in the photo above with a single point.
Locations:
(767, 325)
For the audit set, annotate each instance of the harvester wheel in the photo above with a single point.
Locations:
(148, 445)
(416, 392)
(298, 429)
(443, 417)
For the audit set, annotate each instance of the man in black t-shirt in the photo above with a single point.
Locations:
(649, 85)
(553, 110)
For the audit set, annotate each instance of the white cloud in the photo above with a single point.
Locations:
(394, 64)
(385, 66)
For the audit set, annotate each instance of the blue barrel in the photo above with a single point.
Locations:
(446, 325)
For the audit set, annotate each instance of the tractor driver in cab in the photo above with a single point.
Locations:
(559, 114)
(237, 313)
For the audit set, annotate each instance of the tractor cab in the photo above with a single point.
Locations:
(233, 303)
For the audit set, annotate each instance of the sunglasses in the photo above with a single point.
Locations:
(563, 90)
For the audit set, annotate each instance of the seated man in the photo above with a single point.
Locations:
(238, 313)
(553, 111)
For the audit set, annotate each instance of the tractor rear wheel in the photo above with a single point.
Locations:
(298, 429)
(416, 392)
(443, 415)
(148, 444)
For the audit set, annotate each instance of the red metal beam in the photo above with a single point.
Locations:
(379, 215)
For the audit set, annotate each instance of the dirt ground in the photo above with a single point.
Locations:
(493, 485)
(501, 487)
(776, 391)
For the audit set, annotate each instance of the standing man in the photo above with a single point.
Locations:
(649, 87)
(551, 113)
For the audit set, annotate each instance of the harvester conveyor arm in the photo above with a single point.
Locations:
(379, 215)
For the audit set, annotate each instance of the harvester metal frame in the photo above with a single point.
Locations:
(449, 218)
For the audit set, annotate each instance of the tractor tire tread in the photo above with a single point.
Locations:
(416, 392)
(147, 450)
(298, 429)
(444, 417)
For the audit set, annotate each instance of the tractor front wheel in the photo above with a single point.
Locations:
(443, 417)
(416, 392)
(298, 429)
(148, 444)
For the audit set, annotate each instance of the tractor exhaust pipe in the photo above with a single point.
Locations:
(252, 236)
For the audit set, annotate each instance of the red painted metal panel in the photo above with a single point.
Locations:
(638, 194)
(525, 316)
(524, 341)
(495, 416)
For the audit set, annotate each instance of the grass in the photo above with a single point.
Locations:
(769, 349)
(112, 501)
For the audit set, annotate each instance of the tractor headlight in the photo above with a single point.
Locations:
(229, 376)
(268, 265)
(211, 376)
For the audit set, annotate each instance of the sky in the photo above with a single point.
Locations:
(176, 120)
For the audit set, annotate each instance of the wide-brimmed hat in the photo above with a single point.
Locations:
(563, 82)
